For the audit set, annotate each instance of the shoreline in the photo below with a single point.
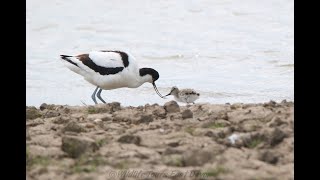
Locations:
(210, 141)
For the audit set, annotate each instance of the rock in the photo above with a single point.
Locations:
(253, 140)
(222, 122)
(173, 160)
(54, 127)
(215, 124)
(187, 113)
(36, 150)
(210, 134)
(270, 104)
(130, 139)
(32, 113)
(236, 106)
(103, 117)
(268, 156)
(115, 106)
(51, 113)
(257, 113)
(43, 106)
(104, 108)
(146, 118)
(89, 125)
(171, 107)
(276, 136)
(275, 122)
(196, 157)
(78, 116)
(171, 150)
(125, 115)
(222, 115)
(97, 121)
(28, 137)
(73, 127)
(66, 110)
(46, 140)
(160, 112)
(174, 116)
(173, 143)
(35, 122)
(131, 116)
(61, 120)
(76, 146)
(249, 126)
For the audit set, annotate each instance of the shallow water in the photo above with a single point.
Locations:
(229, 51)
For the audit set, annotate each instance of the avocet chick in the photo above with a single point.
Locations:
(184, 95)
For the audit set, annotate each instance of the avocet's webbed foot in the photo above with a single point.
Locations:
(99, 95)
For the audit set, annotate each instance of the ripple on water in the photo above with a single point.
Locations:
(45, 27)
(176, 56)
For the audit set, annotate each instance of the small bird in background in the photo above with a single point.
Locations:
(110, 69)
(184, 95)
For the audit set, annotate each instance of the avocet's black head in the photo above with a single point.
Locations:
(149, 71)
(151, 76)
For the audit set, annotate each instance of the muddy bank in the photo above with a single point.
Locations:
(201, 141)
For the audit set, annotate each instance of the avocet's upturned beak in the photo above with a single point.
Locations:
(168, 94)
(156, 89)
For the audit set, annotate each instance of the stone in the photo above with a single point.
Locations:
(236, 106)
(61, 120)
(28, 137)
(146, 118)
(276, 136)
(268, 156)
(32, 113)
(43, 106)
(173, 160)
(73, 127)
(102, 116)
(89, 125)
(51, 113)
(275, 122)
(130, 139)
(159, 112)
(76, 146)
(171, 150)
(171, 107)
(187, 113)
(197, 157)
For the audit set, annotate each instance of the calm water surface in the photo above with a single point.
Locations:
(228, 50)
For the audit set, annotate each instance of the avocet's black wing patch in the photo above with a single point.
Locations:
(103, 70)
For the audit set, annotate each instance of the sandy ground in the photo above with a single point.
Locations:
(201, 141)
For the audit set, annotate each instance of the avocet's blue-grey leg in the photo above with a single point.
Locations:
(93, 96)
(99, 95)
